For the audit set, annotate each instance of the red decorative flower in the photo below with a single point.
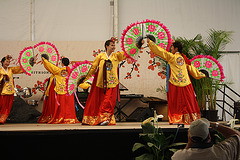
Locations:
(41, 49)
(151, 28)
(74, 75)
(24, 60)
(28, 54)
(215, 73)
(129, 41)
(132, 51)
(49, 50)
(208, 64)
(136, 31)
(161, 35)
(197, 64)
(72, 86)
(162, 45)
(53, 58)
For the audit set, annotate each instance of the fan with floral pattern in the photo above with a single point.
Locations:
(26, 60)
(48, 49)
(134, 33)
(78, 71)
(209, 66)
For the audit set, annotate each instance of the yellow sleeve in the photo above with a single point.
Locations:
(93, 68)
(121, 56)
(51, 67)
(195, 72)
(16, 70)
(160, 51)
(84, 85)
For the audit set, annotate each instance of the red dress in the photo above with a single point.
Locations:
(6, 102)
(59, 107)
(182, 103)
(7, 91)
(48, 106)
(99, 106)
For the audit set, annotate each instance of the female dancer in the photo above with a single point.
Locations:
(64, 105)
(182, 103)
(7, 87)
(101, 101)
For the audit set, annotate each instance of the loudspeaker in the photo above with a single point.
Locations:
(237, 110)
(139, 115)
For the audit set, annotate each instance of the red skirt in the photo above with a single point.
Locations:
(64, 110)
(58, 109)
(99, 106)
(6, 102)
(182, 105)
(48, 106)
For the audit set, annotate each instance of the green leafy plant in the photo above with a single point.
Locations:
(155, 145)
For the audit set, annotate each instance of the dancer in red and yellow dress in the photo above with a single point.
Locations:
(182, 103)
(7, 87)
(64, 105)
(101, 101)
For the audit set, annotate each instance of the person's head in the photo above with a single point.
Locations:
(176, 47)
(199, 132)
(5, 62)
(65, 61)
(110, 45)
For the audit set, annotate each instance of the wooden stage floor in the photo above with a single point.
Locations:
(26, 127)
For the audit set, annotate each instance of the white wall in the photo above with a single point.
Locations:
(185, 18)
(81, 20)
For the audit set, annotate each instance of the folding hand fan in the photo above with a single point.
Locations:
(78, 71)
(209, 66)
(132, 36)
(26, 60)
(49, 50)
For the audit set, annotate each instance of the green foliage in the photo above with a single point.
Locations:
(155, 145)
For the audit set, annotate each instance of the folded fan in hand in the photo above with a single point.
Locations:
(132, 36)
(78, 71)
(209, 66)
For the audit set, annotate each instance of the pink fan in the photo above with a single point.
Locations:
(209, 66)
(78, 71)
(132, 36)
(26, 59)
(48, 50)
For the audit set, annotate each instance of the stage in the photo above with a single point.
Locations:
(65, 141)
(20, 128)
(61, 141)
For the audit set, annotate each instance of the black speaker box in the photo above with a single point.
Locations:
(139, 115)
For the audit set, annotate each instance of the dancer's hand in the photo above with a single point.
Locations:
(148, 40)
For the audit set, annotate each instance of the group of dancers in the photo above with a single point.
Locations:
(59, 107)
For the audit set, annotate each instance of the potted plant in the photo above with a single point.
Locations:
(155, 145)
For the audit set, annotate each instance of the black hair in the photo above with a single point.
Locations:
(3, 59)
(107, 43)
(178, 45)
(65, 61)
